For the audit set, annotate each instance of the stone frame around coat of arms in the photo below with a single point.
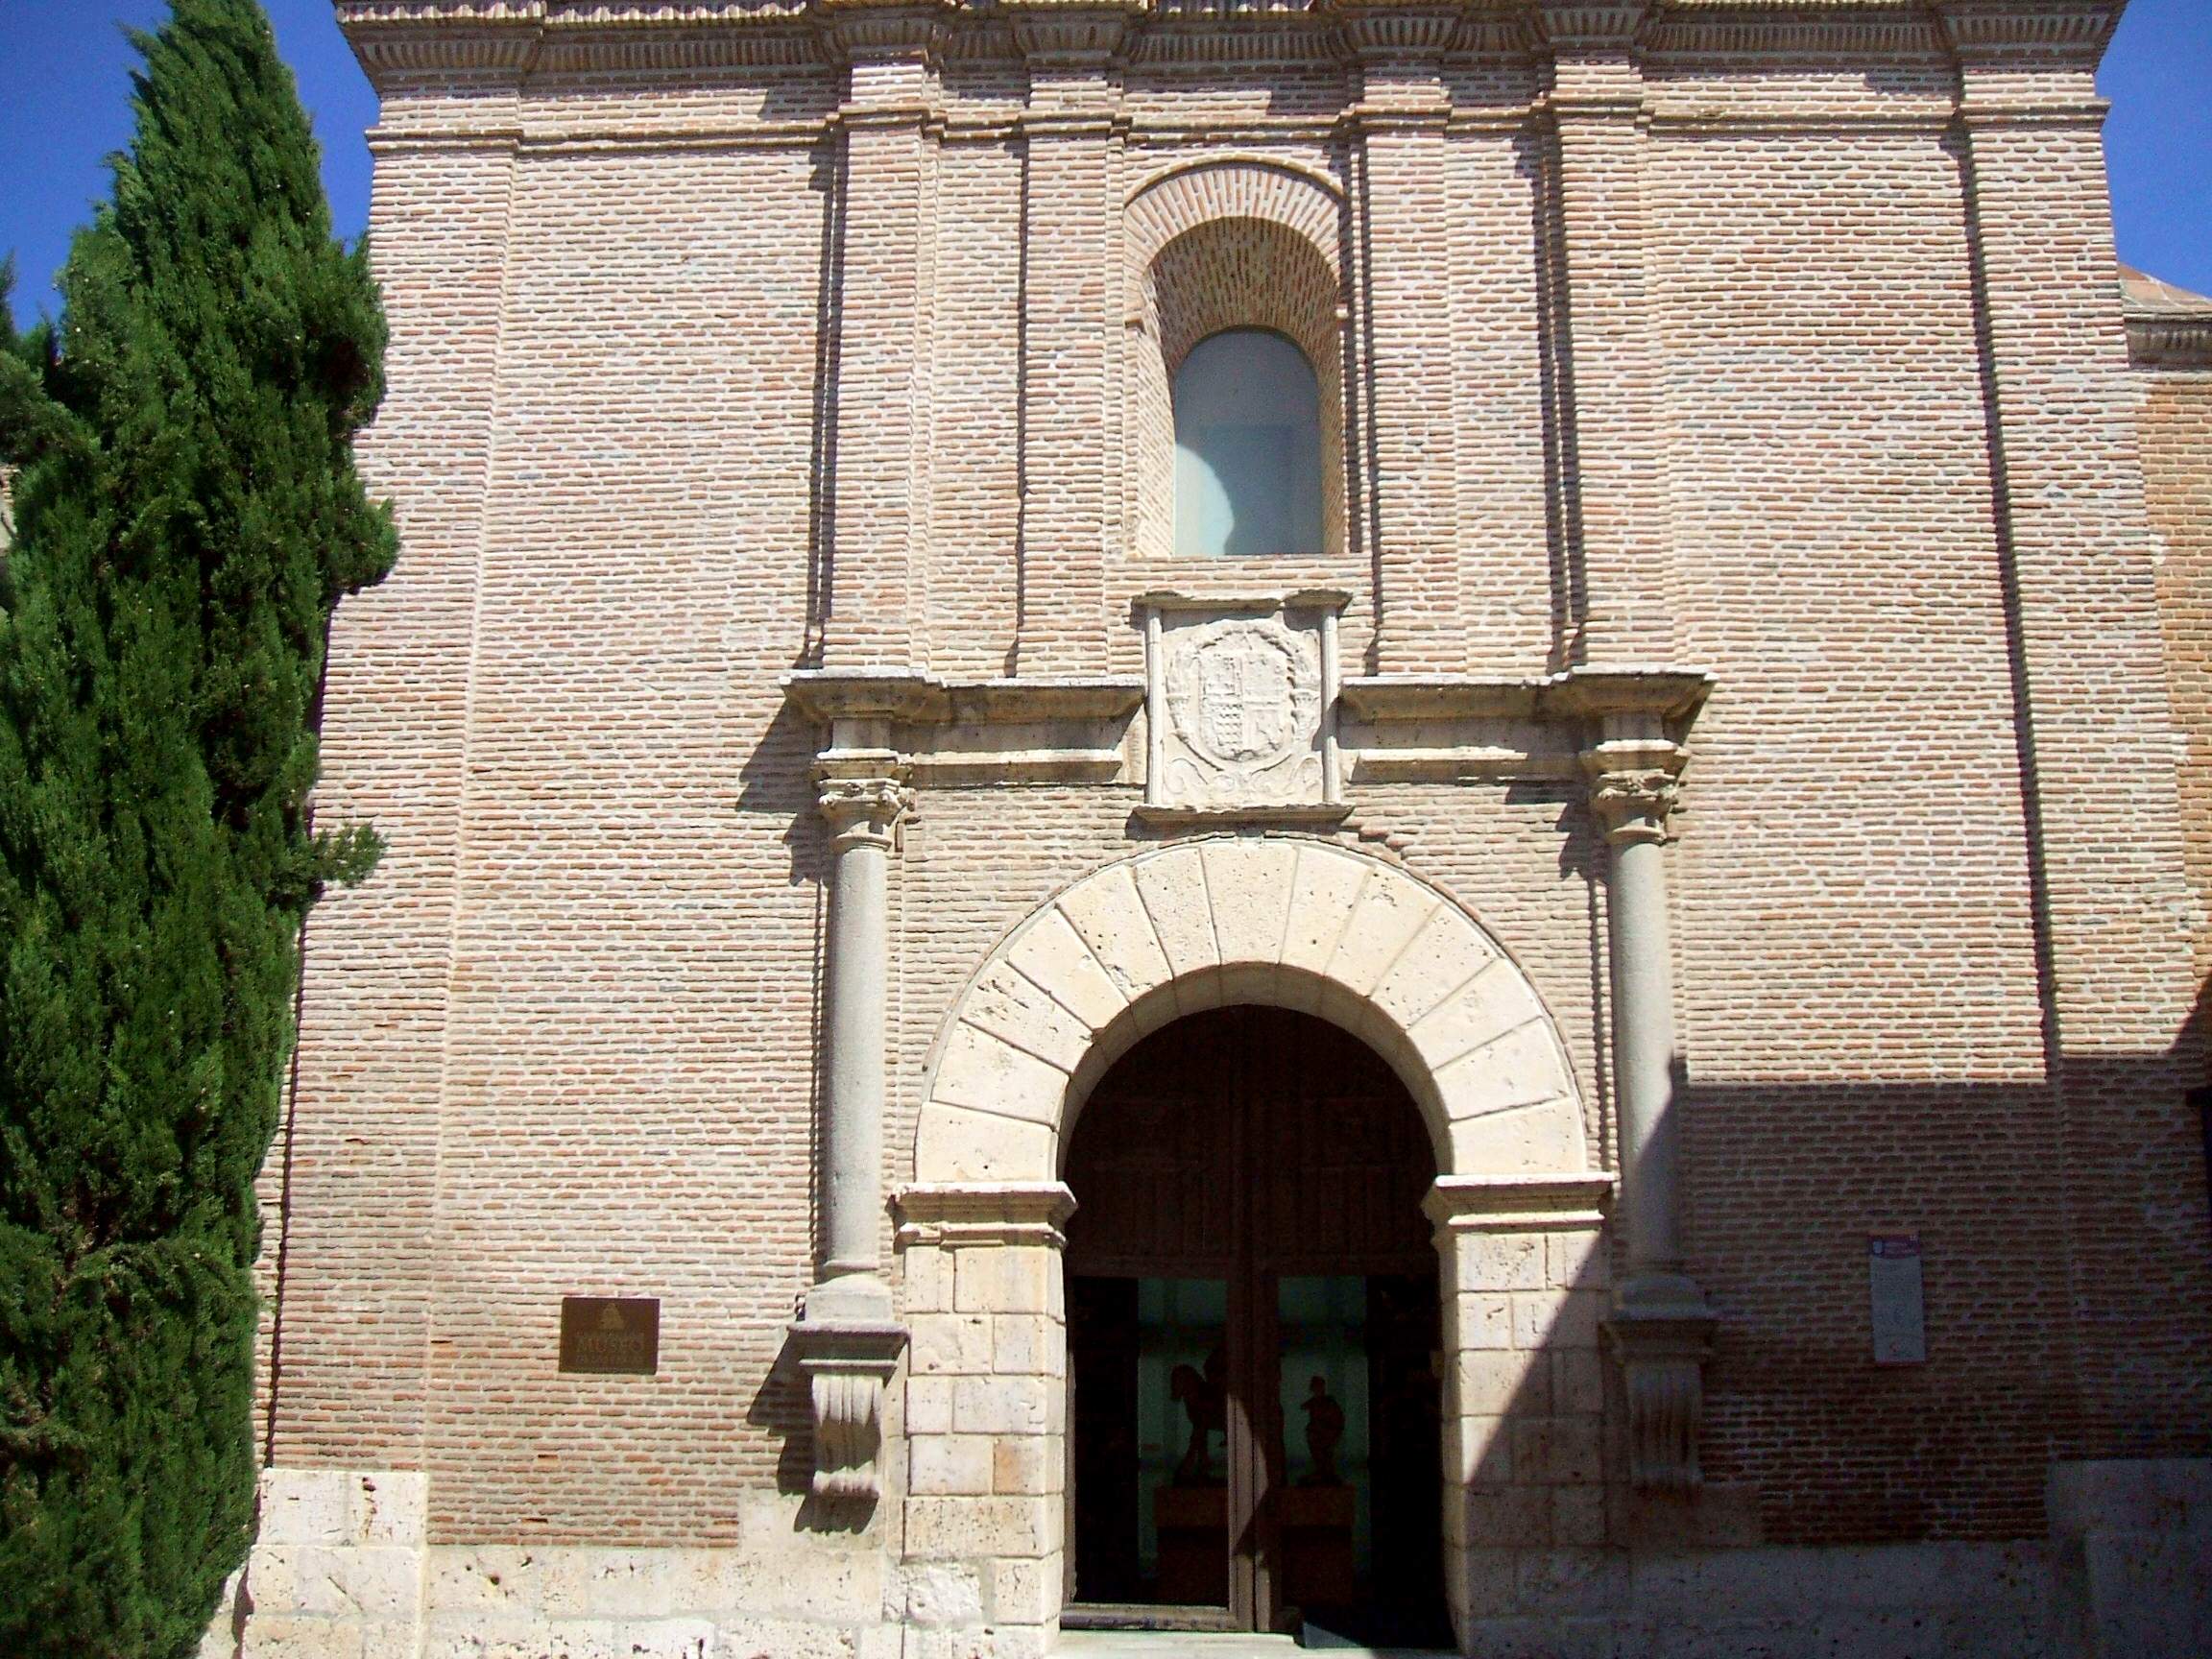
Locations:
(1241, 708)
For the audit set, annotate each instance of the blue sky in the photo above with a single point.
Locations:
(65, 68)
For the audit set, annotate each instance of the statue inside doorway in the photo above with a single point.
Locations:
(1204, 1400)
(1324, 1431)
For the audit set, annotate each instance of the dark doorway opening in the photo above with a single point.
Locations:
(1253, 1337)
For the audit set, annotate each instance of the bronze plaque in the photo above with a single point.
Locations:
(611, 1334)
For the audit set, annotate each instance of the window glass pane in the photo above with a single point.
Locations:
(1247, 447)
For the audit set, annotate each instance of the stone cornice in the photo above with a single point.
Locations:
(2169, 339)
(924, 698)
(400, 40)
(1672, 694)
(980, 731)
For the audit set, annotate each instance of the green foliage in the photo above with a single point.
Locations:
(186, 515)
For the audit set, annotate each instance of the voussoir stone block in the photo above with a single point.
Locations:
(1389, 914)
(1494, 998)
(990, 1074)
(1516, 1068)
(1324, 893)
(1529, 1139)
(1172, 885)
(1289, 921)
(1111, 919)
(1006, 1004)
(1053, 956)
(1249, 884)
(952, 1143)
(1446, 954)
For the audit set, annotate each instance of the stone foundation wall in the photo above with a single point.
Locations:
(342, 1570)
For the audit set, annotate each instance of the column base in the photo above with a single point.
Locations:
(1663, 1331)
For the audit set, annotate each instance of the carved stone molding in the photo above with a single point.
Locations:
(1022, 731)
(2168, 327)
(883, 31)
(1241, 708)
(846, 1364)
(1071, 36)
(2071, 31)
(1518, 1203)
(1589, 25)
(1662, 1331)
(954, 1215)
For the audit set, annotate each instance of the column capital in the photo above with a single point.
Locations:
(864, 794)
(1071, 35)
(1634, 785)
(1589, 25)
(2068, 34)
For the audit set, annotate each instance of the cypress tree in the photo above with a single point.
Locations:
(186, 515)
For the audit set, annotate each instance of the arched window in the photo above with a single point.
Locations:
(1248, 446)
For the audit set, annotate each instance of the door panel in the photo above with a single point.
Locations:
(1242, 1178)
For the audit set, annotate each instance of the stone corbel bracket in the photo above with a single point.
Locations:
(1662, 1332)
(977, 732)
(1458, 729)
(847, 1364)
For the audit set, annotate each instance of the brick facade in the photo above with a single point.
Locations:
(1783, 347)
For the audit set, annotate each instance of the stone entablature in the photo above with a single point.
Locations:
(497, 38)
(1385, 728)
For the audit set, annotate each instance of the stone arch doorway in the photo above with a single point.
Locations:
(1254, 1337)
(981, 1421)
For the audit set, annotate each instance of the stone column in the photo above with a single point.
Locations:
(1660, 1324)
(847, 1340)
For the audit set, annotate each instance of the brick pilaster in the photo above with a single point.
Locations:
(2091, 706)
(1071, 328)
(1612, 494)
(1403, 207)
(879, 482)
(349, 1188)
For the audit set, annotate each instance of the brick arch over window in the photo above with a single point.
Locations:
(1229, 243)
(1285, 921)
(1165, 205)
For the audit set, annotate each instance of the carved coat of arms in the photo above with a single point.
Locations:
(1244, 698)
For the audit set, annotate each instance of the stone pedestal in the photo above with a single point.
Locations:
(986, 1406)
(1524, 1286)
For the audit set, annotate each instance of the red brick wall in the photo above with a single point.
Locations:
(1815, 417)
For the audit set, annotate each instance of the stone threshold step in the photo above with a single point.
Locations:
(1208, 1644)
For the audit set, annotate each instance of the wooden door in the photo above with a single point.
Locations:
(1237, 1148)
